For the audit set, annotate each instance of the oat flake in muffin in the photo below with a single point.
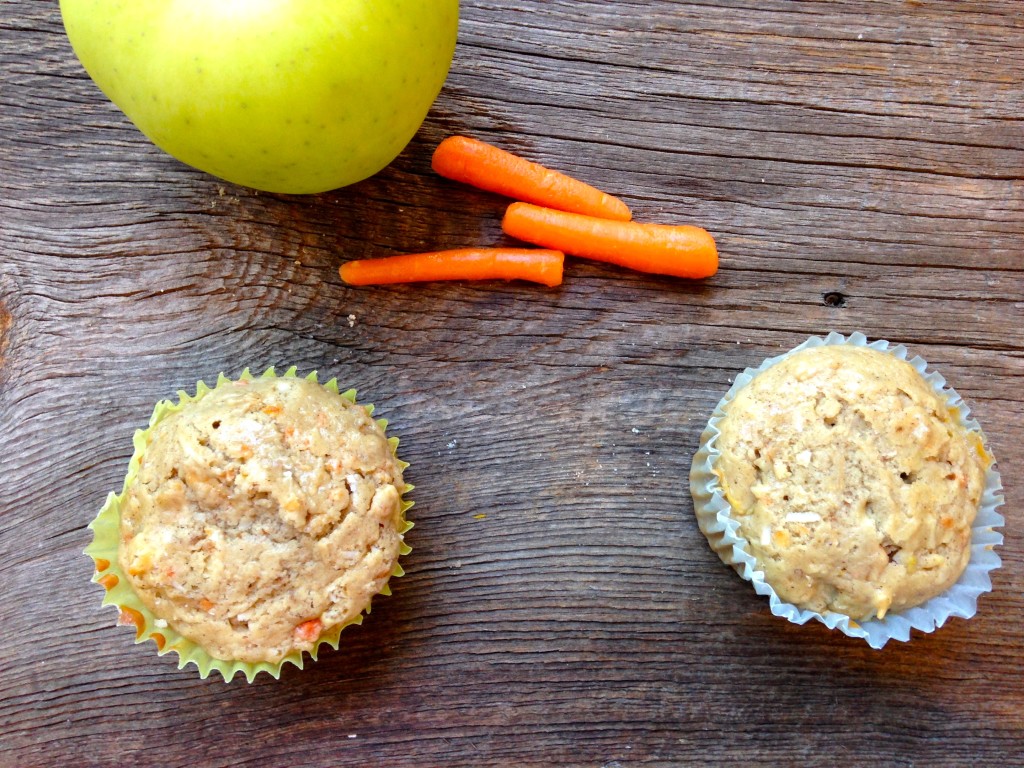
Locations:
(263, 514)
(853, 483)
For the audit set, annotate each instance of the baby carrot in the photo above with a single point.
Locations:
(487, 167)
(538, 266)
(681, 251)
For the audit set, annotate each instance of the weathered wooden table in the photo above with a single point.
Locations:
(862, 167)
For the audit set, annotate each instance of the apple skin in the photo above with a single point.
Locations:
(295, 96)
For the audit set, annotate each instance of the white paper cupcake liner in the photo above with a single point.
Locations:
(714, 516)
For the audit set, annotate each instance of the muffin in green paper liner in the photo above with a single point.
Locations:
(257, 520)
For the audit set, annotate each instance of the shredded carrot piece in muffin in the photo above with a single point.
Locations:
(129, 616)
(109, 581)
(308, 631)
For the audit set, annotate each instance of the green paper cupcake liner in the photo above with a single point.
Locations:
(106, 539)
(720, 527)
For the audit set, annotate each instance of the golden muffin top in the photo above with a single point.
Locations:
(853, 482)
(263, 514)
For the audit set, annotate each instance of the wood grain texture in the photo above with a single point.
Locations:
(869, 150)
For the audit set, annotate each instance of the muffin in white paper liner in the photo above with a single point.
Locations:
(714, 516)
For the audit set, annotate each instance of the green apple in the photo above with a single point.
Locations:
(281, 95)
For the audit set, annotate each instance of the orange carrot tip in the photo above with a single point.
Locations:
(680, 251)
(495, 170)
(535, 265)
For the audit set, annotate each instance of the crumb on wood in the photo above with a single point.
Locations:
(351, 321)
